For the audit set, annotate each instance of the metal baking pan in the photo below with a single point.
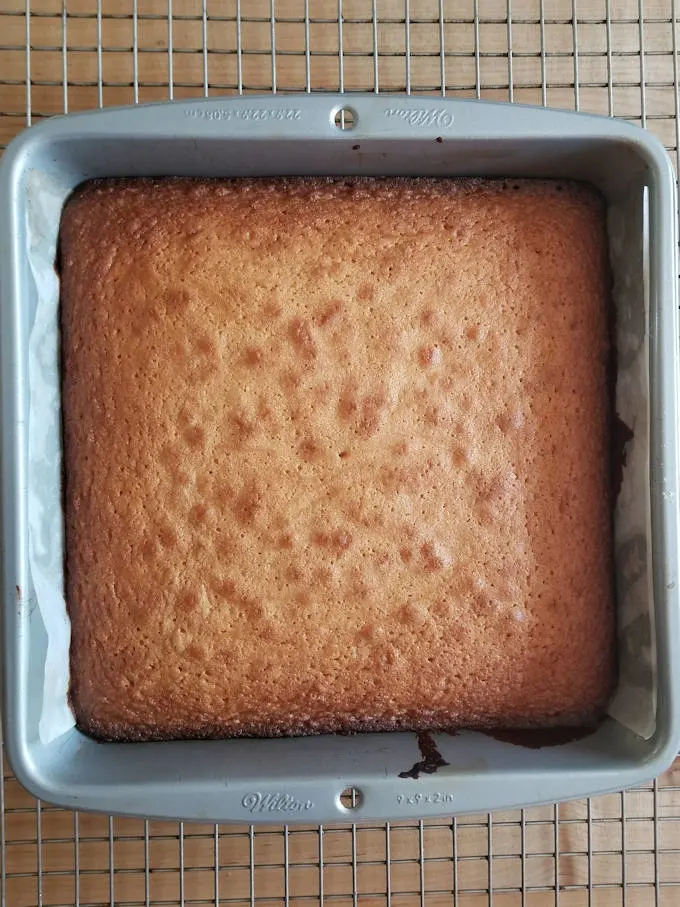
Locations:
(302, 779)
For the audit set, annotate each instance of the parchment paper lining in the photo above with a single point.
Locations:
(634, 704)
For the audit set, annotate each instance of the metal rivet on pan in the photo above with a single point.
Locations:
(351, 798)
(345, 118)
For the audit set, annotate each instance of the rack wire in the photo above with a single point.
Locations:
(615, 57)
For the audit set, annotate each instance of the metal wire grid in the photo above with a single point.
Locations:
(61, 55)
(617, 57)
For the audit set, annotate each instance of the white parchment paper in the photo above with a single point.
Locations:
(634, 704)
(45, 515)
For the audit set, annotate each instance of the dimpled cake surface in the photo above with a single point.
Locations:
(336, 455)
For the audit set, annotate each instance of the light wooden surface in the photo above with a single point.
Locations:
(622, 849)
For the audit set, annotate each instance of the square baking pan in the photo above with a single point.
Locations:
(301, 779)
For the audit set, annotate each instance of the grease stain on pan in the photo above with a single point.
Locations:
(538, 738)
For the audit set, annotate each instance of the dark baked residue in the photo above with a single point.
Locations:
(539, 738)
(431, 760)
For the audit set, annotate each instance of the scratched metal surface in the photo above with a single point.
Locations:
(616, 57)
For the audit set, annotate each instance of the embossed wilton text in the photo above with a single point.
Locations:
(256, 801)
(421, 117)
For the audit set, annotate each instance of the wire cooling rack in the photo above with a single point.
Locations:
(617, 58)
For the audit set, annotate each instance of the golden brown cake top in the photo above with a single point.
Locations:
(336, 454)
